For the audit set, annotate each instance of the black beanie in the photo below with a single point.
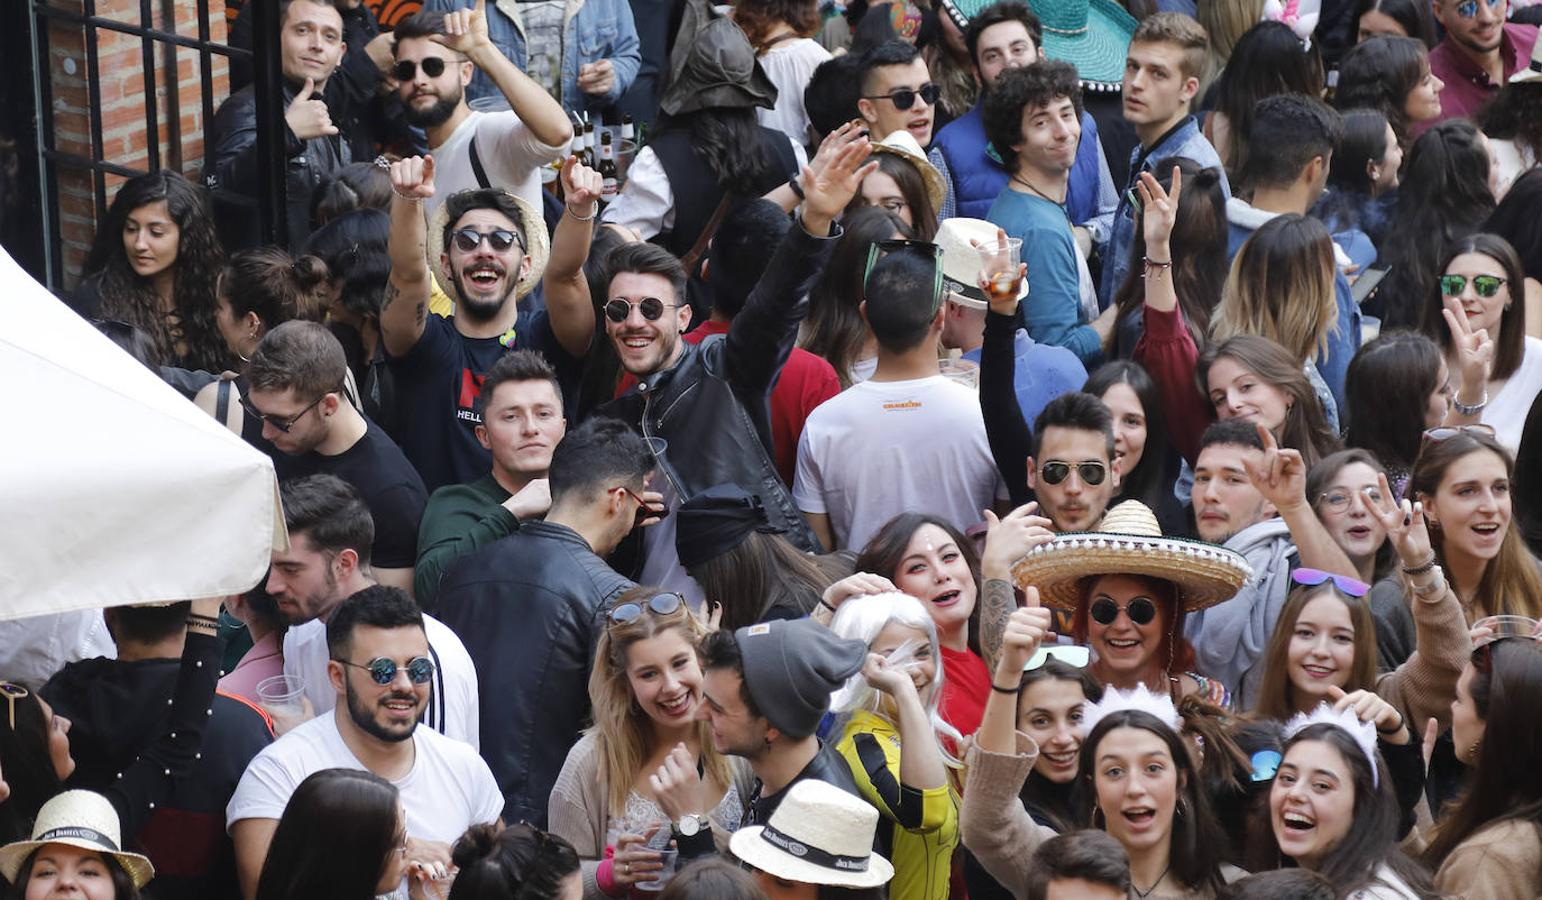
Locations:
(791, 666)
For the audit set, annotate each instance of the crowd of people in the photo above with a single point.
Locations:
(1066, 448)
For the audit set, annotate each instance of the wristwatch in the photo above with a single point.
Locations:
(690, 825)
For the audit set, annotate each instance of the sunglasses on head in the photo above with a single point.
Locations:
(1485, 285)
(382, 671)
(665, 604)
(406, 70)
(281, 424)
(467, 240)
(1055, 472)
(1314, 577)
(905, 98)
(13, 692)
(652, 308)
(1469, 8)
(879, 249)
(1070, 654)
(1141, 610)
(1446, 432)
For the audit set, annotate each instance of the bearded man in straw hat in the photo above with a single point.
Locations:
(1251, 496)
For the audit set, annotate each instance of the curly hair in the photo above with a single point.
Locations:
(129, 298)
(1017, 90)
(1515, 114)
(758, 18)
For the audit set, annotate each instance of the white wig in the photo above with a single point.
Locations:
(863, 619)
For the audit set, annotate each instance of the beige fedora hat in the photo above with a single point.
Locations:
(819, 834)
(958, 239)
(532, 228)
(83, 819)
(1129, 542)
(903, 144)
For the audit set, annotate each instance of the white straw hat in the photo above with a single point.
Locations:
(903, 144)
(958, 239)
(1129, 542)
(819, 834)
(83, 819)
(532, 227)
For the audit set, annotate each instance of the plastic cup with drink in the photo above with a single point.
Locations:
(1001, 272)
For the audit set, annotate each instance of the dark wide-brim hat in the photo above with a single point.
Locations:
(714, 65)
(1130, 542)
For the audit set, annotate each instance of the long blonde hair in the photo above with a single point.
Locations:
(621, 729)
(1225, 23)
(1281, 286)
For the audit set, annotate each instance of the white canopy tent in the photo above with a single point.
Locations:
(114, 489)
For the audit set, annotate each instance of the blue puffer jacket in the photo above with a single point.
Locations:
(978, 178)
(596, 30)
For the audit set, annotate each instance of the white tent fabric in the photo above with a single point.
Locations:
(114, 488)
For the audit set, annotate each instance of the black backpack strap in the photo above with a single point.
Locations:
(221, 401)
(476, 164)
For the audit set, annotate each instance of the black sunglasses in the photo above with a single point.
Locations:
(1140, 610)
(659, 604)
(904, 98)
(382, 671)
(651, 308)
(406, 70)
(1091, 473)
(281, 424)
(467, 240)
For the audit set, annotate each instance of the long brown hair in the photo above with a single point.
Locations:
(1281, 287)
(764, 571)
(1510, 346)
(1510, 581)
(1276, 694)
(1306, 426)
(621, 729)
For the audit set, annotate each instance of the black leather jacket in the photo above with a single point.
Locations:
(529, 608)
(712, 406)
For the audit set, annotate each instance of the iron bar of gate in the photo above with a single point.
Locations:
(152, 113)
(94, 108)
(206, 84)
(173, 90)
(272, 143)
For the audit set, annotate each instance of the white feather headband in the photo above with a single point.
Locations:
(1364, 733)
(1140, 699)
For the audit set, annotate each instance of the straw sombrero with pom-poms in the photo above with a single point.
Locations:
(1130, 542)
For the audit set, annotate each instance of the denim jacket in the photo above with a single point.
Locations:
(595, 30)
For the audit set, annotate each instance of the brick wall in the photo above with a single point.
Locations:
(120, 74)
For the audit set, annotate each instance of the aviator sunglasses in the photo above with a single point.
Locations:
(1485, 285)
(1140, 610)
(382, 671)
(651, 308)
(1092, 473)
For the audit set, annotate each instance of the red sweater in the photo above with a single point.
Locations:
(1167, 351)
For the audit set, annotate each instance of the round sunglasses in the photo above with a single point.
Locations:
(407, 69)
(659, 604)
(382, 671)
(1091, 473)
(1140, 610)
(1485, 285)
(651, 308)
(467, 240)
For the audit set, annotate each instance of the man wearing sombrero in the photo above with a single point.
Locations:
(490, 249)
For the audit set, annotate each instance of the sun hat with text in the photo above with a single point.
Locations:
(819, 834)
(83, 819)
(1130, 542)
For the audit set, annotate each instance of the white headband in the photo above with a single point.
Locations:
(1364, 733)
(1140, 699)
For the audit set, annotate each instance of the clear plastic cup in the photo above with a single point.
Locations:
(670, 857)
(1507, 626)
(282, 696)
(999, 270)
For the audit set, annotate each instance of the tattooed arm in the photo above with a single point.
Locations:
(1009, 539)
(404, 311)
(996, 605)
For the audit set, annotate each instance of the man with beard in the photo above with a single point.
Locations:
(380, 668)
(330, 532)
(491, 250)
(295, 379)
(1480, 52)
(1002, 36)
(436, 55)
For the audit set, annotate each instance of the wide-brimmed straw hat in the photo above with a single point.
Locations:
(819, 834)
(1129, 542)
(532, 227)
(83, 819)
(958, 239)
(903, 144)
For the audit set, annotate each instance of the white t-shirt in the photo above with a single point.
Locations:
(510, 154)
(448, 790)
(452, 699)
(881, 448)
(1507, 410)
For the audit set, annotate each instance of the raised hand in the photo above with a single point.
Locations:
(886, 677)
(413, 178)
(596, 78)
(1369, 707)
(677, 788)
(1159, 207)
(465, 30)
(1404, 524)
(1280, 476)
(307, 114)
(825, 195)
(860, 584)
(633, 861)
(1474, 348)
(1027, 628)
(581, 187)
(1011, 538)
(833, 143)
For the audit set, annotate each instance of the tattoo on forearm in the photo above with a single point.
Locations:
(997, 601)
(422, 313)
(392, 292)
